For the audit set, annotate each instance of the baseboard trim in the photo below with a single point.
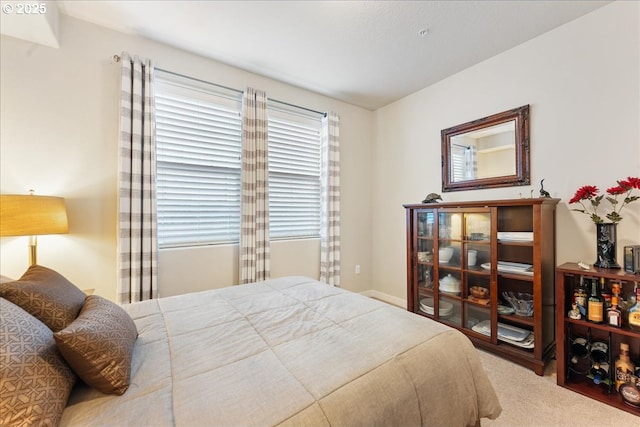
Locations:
(371, 293)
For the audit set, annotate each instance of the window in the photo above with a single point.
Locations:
(198, 136)
(199, 148)
(294, 172)
(458, 156)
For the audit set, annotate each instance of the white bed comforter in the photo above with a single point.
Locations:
(290, 351)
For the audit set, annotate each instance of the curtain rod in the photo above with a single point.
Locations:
(117, 58)
(297, 106)
(462, 146)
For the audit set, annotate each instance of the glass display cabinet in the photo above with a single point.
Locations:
(487, 269)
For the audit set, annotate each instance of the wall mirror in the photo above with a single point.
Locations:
(487, 153)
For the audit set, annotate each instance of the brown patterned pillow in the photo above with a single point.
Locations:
(98, 345)
(35, 381)
(46, 295)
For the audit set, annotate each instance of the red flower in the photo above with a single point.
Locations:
(590, 192)
(620, 189)
(631, 182)
(585, 193)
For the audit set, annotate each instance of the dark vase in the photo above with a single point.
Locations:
(606, 247)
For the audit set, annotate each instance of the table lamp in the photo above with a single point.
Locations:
(31, 215)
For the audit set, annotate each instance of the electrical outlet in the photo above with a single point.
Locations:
(357, 268)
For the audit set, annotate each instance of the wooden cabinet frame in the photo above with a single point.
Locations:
(536, 216)
(567, 276)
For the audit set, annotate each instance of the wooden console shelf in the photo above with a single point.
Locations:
(567, 278)
(503, 246)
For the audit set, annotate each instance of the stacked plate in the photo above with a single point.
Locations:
(515, 236)
(511, 267)
(507, 333)
(445, 309)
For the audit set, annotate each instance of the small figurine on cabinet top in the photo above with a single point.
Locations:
(543, 192)
(432, 198)
(574, 313)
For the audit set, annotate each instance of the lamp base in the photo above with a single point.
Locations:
(33, 250)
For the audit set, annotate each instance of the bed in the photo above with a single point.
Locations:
(289, 352)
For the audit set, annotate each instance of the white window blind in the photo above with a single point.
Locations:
(457, 162)
(294, 172)
(198, 136)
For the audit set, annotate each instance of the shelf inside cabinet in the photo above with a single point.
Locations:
(625, 331)
(516, 276)
(521, 320)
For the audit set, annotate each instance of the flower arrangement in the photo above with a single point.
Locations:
(590, 193)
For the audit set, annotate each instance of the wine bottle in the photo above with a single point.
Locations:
(595, 305)
(599, 373)
(624, 368)
(605, 294)
(580, 297)
(614, 315)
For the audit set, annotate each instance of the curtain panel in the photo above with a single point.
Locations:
(255, 250)
(137, 228)
(471, 163)
(330, 205)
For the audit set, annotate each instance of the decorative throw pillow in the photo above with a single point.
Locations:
(98, 345)
(35, 381)
(46, 295)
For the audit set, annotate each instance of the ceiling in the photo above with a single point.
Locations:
(367, 53)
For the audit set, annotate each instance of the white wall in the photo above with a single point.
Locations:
(58, 133)
(582, 81)
(59, 125)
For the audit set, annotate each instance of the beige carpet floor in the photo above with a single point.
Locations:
(529, 400)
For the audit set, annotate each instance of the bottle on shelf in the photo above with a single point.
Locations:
(616, 291)
(632, 297)
(595, 305)
(614, 315)
(599, 373)
(634, 313)
(624, 368)
(580, 296)
(605, 294)
(599, 352)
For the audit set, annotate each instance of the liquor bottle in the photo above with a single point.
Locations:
(623, 367)
(634, 313)
(580, 297)
(605, 294)
(614, 315)
(616, 291)
(595, 305)
(632, 297)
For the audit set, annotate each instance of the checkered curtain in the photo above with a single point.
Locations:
(255, 251)
(330, 217)
(137, 231)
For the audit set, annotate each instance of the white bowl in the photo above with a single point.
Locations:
(449, 284)
(445, 254)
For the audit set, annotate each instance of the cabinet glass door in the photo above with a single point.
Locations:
(477, 272)
(424, 245)
(450, 258)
